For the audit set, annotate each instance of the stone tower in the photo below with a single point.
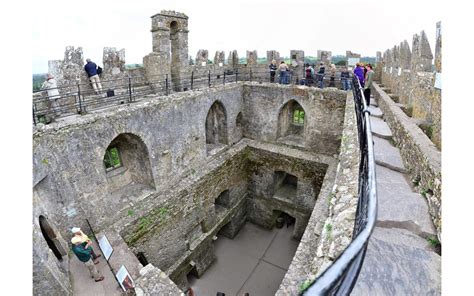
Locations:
(170, 48)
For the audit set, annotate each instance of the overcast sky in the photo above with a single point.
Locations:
(360, 26)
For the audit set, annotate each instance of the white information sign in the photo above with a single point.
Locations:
(399, 71)
(352, 61)
(105, 247)
(438, 81)
(221, 64)
(203, 64)
(391, 70)
(124, 278)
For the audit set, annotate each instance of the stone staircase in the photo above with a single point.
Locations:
(400, 259)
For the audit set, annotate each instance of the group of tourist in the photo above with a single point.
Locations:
(363, 72)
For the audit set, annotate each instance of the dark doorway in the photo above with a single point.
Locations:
(50, 236)
(141, 257)
(283, 219)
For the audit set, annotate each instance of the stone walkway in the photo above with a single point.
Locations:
(255, 261)
(399, 258)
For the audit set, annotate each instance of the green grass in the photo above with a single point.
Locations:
(433, 241)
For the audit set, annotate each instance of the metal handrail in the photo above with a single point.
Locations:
(341, 276)
(81, 98)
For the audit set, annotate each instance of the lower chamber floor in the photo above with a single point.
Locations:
(255, 261)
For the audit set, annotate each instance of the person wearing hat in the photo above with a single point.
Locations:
(51, 86)
(83, 253)
(84, 239)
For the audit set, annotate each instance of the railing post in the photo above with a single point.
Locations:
(130, 88)
(209, 78)
(223, 81)
(79, 96)
(236, 74)
(192, 79)
(166, 84)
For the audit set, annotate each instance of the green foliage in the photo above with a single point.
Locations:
(130, 213)
(433, 241)
(298, 117)
(112, 158)
(328, 227)
(416, 180)
(45, 161)
(191, 61)
(341, 63)
(304, 286)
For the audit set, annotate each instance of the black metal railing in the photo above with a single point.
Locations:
(80, 98)
(341, 276)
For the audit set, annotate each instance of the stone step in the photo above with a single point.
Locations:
(399, 262)
(387, 155)
(399, 206)
(380, 128)
(375, 111)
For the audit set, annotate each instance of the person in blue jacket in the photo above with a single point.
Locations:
(91, 70)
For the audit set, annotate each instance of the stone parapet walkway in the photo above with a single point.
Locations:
(399, 258)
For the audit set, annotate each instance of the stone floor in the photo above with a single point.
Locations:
(399, 259)
(84, 285)
(255, 261)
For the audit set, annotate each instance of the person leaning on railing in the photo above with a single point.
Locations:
(51, 86)
(283, 68)
(346, 83)
(91, 70)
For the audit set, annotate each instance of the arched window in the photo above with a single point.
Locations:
(216, 127)
(291, 120)
(126, 163)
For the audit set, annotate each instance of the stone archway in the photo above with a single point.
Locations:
(216, 127)
(127, 164)
(292, 122)
(51, 238)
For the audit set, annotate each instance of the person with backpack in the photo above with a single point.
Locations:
(309, 75)
(91, 70)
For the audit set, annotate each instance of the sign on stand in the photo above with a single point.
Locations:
(105, 246)
(124, 278)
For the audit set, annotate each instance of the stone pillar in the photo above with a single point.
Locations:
(219, 58)
(378, 57)
(422, 56)
(251, 58)
(350, 54)
(170, 42)
(233, 59)
(325, 56)
(273, 55)
(202, 57)
(113, 66)
(438, 48)
(405, 55)
(297, 63)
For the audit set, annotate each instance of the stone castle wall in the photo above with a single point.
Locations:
(410, 77)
